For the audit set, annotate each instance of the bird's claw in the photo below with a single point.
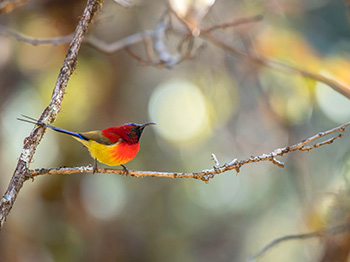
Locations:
(125, 170)
(95, 169)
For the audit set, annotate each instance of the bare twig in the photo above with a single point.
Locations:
(169, 60)
(153, 40)
(124, 3)
(50, 113)
(138, 58)
(237, 22)
(89, 39)
(216, 161)
(330, 231)
(118, 45)
(160, 47)
(7, 6)
(207, 174)
(148, 47)
(279, 66)
(34, 41)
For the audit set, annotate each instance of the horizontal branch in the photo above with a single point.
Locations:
(207, 174)
(110, 48)
(35, 41)
(329, 231)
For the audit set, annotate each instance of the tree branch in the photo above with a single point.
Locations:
(237, 22)
(276, 65)
(330, 231)
(207, 174)
(49, 114)
(169, 60)
(7, 6)
(35, 41)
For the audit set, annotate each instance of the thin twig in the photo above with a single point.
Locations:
(50, 113)
(237, 22)
(35, 41)
(276, 65)
(118, 45)
(137, 57)
(170, 60)
(7, 6)
(207, 174)
(125, 3)
(161, 48)
(330, 231)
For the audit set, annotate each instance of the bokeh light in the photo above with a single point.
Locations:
(103, 196)
(13, 131)
(290, 96)
(334, 105)
(218, 102)
(180, 110)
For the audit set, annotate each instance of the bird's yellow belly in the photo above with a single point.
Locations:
(112, 155)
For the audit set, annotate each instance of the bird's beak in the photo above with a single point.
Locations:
(140, 128)
(147, 124)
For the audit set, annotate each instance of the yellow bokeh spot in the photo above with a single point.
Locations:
(221, 94)
(337, 68)
(83, 90)
(290, 96)
(32, 58)
(287, 45)
(180, 110)
(332, 103)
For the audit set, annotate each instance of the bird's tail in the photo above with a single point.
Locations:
(38, 123)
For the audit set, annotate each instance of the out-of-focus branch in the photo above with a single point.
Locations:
(206, 175)
(7, 6)
(35, 41)
(330, 231)
(50, 113)
(237, 22)
(276, 65)
(110, 48)
(124, 3)
(155, 38)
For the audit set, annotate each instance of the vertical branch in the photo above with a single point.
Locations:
(50, 113)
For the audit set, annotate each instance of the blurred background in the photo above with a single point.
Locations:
(216, 103)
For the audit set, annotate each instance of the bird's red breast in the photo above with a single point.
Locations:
(124, 152)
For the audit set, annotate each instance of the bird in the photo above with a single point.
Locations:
(112, 146)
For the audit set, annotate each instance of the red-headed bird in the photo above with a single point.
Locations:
(111, 146)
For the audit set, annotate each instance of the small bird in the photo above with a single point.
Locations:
(111, 146)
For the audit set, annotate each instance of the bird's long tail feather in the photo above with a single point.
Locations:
(38, 123)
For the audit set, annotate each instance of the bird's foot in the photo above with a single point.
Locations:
(95, 169)
(125, 170)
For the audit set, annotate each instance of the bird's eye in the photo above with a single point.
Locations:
(133, 129)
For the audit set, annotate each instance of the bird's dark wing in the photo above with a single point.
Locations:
(97, 136)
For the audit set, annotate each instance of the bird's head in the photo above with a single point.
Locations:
(134, 131)
(129, 132)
